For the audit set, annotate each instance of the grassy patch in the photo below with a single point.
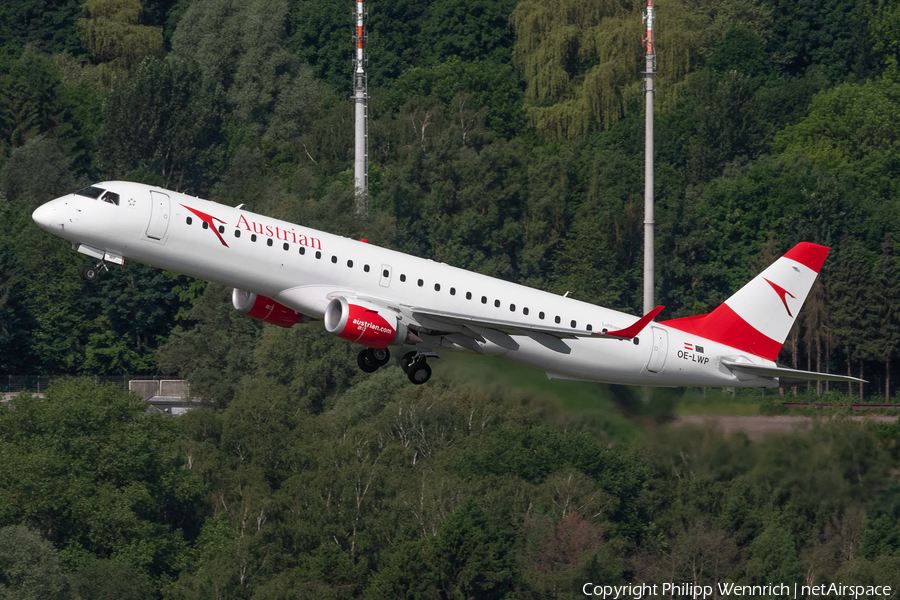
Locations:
(716, 409)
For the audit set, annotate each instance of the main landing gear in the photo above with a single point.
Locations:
(413, 363)
(371, 359)
(90, 273)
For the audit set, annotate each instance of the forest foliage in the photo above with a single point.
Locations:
(506, 137)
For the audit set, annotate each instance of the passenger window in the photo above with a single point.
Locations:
(237, 233)
(269, 242)
(350, 263)
(573, 324)
(252, 236)
(189, 220)
(468, 295)
(452, 291)
(334, 259)
(205, 225)
(590, 327)
(557, 319)
(484, 299)
(285, 246)
(512, 308)
(318, 254)
(437, 287)
(221, 229)
(496, 303)
(385, 273)
(421, 283)
(366, 268)
(302, 250)
(525, 311)
(541, 315)
(402, 277)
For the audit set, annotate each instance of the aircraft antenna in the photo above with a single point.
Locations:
(649, 91)
(361, 96)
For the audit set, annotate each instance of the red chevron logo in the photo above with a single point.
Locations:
(783, 293)
(209, 220)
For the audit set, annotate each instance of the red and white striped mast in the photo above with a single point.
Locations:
(649, 91)
(360, 94)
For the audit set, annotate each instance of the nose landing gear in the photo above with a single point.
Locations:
(90, 273)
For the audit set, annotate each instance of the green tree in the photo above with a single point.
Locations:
(111, 32)
(882, 329)
(29, 98)
(849, 284)
(215, 353)
(36, 172)
(242, 49)
(30, 568)
(740, 50)
(98, 476)
(834, 35)
(163, 124)
(579, 59)
(467, 30)
(48, 25)
(471, 554)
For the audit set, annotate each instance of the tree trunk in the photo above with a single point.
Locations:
(860, 376)
(887, 380)
(808, 368)
(849, 374)
(819, 366)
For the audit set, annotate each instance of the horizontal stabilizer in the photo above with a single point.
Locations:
(782, 372)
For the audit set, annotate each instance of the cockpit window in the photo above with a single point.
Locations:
(111, 197)
(90, 192)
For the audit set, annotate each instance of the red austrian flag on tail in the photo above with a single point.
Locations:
(758, 318)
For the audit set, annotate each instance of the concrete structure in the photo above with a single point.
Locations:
(170, 396)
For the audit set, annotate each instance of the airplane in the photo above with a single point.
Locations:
(284, 273)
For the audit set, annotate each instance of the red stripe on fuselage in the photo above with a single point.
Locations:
(725, 326)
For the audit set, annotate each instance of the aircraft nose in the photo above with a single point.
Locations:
(48, 215)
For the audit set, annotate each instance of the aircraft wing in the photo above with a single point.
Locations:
(788, 374)
(459, 326)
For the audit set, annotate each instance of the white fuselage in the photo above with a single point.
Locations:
(304, 269)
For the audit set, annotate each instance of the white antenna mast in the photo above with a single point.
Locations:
(649, 91)
(360, 94)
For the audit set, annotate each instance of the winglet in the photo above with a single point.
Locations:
(632, 330)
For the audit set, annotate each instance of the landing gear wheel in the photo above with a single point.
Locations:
(378, 356)
(419, 372)
(88, 273)
(362, 359)
(406, 360)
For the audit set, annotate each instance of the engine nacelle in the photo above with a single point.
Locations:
(364, 323)
(263, 308)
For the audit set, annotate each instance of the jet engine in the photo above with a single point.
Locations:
(263, 308)
(364, 323)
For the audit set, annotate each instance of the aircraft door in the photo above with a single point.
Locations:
(385, 275)
(658, 353)
(159, 215)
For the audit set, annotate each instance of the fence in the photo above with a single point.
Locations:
(37, 384)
